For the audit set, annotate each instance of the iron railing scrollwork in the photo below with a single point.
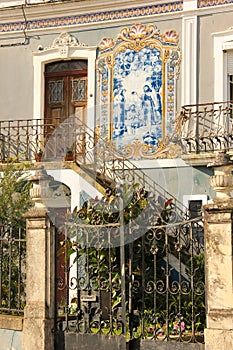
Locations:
(12, 269)
(153, 254)
(148, 283)
(22, 139)
(98, 158)
(205, 127)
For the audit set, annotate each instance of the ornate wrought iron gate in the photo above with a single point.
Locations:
(132, 270)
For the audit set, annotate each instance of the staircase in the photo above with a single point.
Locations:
(93, 157)
(96, 158)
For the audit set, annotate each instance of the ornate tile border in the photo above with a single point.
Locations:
(208, 3)
(92, 18)
(136, 75)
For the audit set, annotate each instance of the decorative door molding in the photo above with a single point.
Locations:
(64, 47)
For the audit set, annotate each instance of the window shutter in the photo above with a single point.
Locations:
(230, 62)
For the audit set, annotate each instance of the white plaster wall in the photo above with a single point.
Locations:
(76, 184)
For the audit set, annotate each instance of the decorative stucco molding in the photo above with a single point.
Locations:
(137, 150)
(66, 39)
(63, 43)
(65, 46)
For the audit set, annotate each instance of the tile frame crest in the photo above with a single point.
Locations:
(64, 47)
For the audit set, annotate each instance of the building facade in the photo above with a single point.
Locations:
(134, 90)
(125, 69)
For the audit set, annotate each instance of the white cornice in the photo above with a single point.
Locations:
(77, 7)
(208, 10)
(83, 7)
(60, 9)
(53, 11)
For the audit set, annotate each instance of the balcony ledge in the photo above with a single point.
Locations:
(11, 322)
(201, 159)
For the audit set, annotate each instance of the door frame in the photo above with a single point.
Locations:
(65, 76)
(64, 47)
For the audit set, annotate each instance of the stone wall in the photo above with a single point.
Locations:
(218, 217)
(11, 332)
(153, 345)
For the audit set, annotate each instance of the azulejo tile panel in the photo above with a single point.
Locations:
(208, 3)
(97, 17)
(137, 72)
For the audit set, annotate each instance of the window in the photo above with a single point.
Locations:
(231, 87)
(194, 204)
(195, 208)
(230, 74)
(223, 64)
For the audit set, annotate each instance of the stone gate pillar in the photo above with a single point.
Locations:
(40, 271)
(218, 217)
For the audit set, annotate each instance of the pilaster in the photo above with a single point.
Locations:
(189, 60)
(218, 217)
(40, 268)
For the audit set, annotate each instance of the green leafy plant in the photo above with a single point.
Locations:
(69, 151)
(106, 210)
(14, 202)
(14, 194)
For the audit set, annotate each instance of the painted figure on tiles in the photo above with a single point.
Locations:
(119, 112)
(148, 106)
(132, 120)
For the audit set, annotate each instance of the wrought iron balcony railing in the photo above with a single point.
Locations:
(20, 140)
(206, 127)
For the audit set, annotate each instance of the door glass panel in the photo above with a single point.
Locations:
(79, 90)
(56, 91)
(66, 66)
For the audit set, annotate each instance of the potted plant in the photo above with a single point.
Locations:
(69, 155)
(38, 155)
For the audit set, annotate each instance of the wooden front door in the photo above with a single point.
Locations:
(65, 93)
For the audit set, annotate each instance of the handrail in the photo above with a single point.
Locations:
(100, 159)
(206, 127)
(22, 139)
